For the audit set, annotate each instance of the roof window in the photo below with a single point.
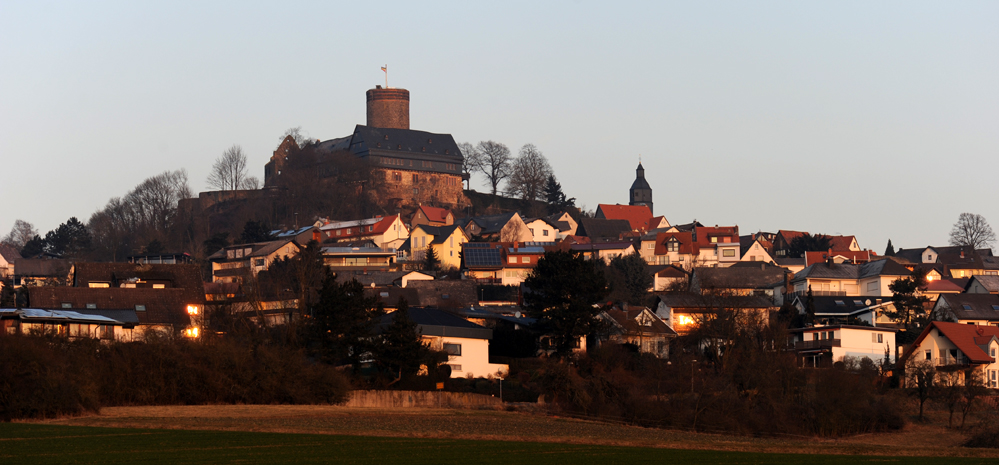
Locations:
(91, 306)
(67, 305)
(140, 308)
(858, 303)
(840, 303)
(966, 307)
(995, 307)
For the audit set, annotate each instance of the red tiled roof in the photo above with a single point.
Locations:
(841, 242)
(963, 336)
(862, 256)
(943, 285)
(362, 230)
(687, 245)
(705, 233)
(638, 216)
(435, 214)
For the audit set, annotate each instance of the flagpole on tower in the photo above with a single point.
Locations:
(385, 69)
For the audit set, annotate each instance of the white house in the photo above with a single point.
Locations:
(958, 348)
(824, 345)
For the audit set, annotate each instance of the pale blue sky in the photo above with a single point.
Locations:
(879, 120)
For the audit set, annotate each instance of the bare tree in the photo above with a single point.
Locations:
(470, 159)
(229, 171)
(296, 133)
(528, 174)
(494, 162)
(20, 234)
(972, 230)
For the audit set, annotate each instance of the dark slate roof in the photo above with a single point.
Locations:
(841, 305)
(990, 283)
(389, 296)
(446, 293)
(850, 271)
(126, 316)
(491, 224)
(601, 229)
(258, 249)
(382, 146)
(626, 322)
(787, 262)
(971, 306)
(640, 182)
(738, 277)
(163, 306)
(177, 275)
(440, 233)
(688, 226)
(435, 322)
(378, 278)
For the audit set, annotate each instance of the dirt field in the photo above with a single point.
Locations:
(915, 440)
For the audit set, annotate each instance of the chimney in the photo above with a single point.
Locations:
(962, 253)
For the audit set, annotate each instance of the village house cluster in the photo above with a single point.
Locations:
(463, 275)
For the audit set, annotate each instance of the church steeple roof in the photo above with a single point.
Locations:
(640, 182)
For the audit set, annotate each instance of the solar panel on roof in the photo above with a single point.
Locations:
(482, 257)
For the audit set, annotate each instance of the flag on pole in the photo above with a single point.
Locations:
(385, 68)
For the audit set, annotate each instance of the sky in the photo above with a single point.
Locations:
(876, 119)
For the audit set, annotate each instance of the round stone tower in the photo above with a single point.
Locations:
(388, 108)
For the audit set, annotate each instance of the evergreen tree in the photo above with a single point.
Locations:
(342, 321)
(808, 243)
(7, 297)
(890, 250)
(809, 307)
(631, 278)
(563, 291)
(909, 312)
(33, 247)
(216, 242)
(431, 262)
(400, 351)
(70, 239)
(255, 231)
(554, 196)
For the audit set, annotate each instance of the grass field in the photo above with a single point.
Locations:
(22, 443)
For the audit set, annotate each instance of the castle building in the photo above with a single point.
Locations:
(640, 192)
(412, 167)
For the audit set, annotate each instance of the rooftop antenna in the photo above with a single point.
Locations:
(385, 70)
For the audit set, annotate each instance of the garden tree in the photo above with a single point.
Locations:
(342, 321)
(400, 351)
(890, 250)
(70, 239)
(229, 171)
(470, 158)
(808, 243)
(973, 231)
(554, 196)
(33, 247)
(145, 213)
(563, 292)
(20, 234)
(630, 278)
(255, 231)
(972, 392)
(302, 274)
(950, 393)
(431, 261)
(7, 297)
(494, 162)
(154, 246)
(909, 303)
(528, 174)
(921, 379)
(216, 242)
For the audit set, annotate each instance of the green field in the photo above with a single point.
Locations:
(32, 443)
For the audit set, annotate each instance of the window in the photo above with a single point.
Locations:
(512, 259)
(99, 285)
(371, 228)
(929, 354)
(67, 305)
(452, 349)
(230, 254)
(878, 338)
(966, 307)
(872, 286)
(545, 233)
(159, 286)
(525, 259)
(714, 240)
(650, 245)
(728, 253)
(397, 177)
(337, 232)
(455, 367)
(416, 178)
(91, 306)
(140, 308)
(348, 230)
(672, 246)
(258, 262)
(531, 230)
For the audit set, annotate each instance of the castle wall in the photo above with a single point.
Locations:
(406, 187)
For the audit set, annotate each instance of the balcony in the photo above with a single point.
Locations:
(817, 345)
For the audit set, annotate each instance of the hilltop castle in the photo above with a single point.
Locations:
(411, 167)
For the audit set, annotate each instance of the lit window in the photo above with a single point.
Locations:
(452, 349)
(192, 309)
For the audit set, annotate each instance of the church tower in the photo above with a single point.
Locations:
(641, 192)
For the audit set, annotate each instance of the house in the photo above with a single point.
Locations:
(639, 217)
(743, 280)
(821, 346)
(783, 239)
(717, 246)
(677, 248)
(372, 278)
(605, 251)
(445, 240)
(161, 298)
(952, 261)
(505, 227)
(683, 312)
(432, 216)
(955, 348)
(358, 258)
(603, 230)
(160, 258)
(669, 277)
(753, 249)
(387, 232)
(466, 343)
(543, 229)
(794, 265)
(976, 309)
(870, 279)
(302, 235)
(501, 263)
(982, 284)
(637, 326)
(8, 254)
(566, 224)
(69, 324)
(268, 303)
(237, 262)
(841, 310)
(42, 272)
